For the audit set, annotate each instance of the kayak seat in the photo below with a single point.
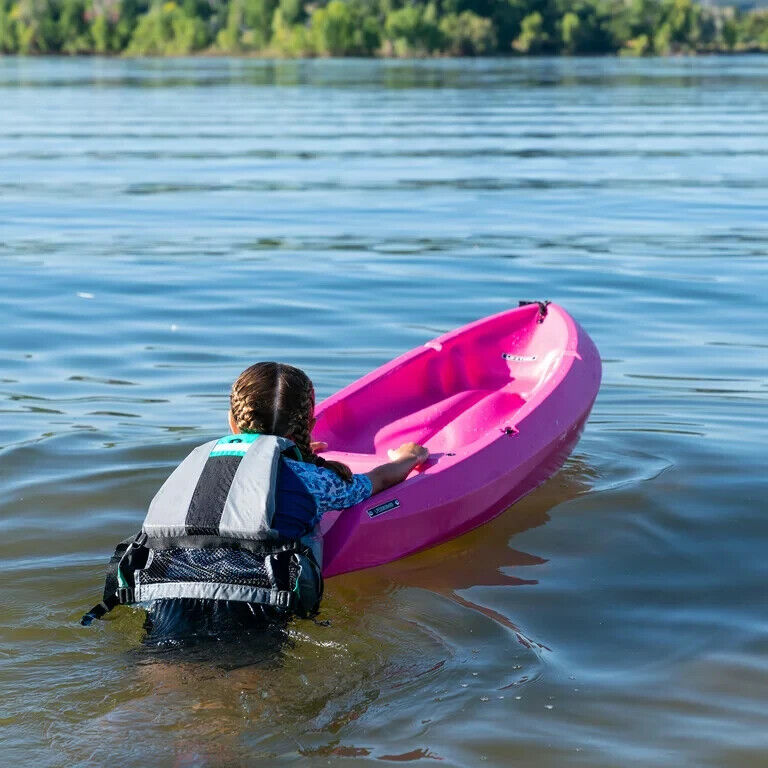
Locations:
(422, 424)
(496, 410)
(443, 426)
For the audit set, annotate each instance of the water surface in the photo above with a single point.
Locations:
(165, 223)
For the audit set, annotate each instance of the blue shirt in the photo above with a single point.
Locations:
(306, 492)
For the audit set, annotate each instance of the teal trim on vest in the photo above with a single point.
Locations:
(234, 445)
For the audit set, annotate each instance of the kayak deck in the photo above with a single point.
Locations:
(444, 395)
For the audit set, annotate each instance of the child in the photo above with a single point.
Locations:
(278, 399)
(227, 541)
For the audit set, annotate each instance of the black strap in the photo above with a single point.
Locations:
(128, 557)
(198, 541)
(542, 308)
(276, 566)
(99, 610)
(293, 453)
(309, 584)
(279, 598)
(305, 591)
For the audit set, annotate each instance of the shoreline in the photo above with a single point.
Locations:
(274, 56)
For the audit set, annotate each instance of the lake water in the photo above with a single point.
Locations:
(165, 223)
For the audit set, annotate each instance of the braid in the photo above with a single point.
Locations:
(299, 423)
(300, 433)
(244, 411)
(278, 399)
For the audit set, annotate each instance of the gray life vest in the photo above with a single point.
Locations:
(208, 534)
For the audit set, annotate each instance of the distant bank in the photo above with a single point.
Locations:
(388, 28)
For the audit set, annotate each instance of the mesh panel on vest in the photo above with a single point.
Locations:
(219, 565)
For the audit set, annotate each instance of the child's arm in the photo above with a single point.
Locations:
(402, 461)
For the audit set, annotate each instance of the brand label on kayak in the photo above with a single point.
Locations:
(519, 358)
(382, 508)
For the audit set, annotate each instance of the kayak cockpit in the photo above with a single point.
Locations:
(447, 394)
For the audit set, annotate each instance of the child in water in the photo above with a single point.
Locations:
(275, 399)
(278, 399)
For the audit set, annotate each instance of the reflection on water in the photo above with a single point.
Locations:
(165, 223)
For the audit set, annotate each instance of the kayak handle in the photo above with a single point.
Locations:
(542, 308)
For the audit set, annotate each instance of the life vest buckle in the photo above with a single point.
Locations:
(125, 595)
(283, 599)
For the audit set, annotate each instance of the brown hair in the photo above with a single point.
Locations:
(278, 399)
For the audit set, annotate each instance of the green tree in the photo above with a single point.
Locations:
(7, 31)
(662, 39)
(333, 29)
(412, 31)
(637, 46)
(569, 32)
(753, 30)
(634, 20)
(292, 11)
(291, 40)
(229, 38)
(730, 33)
(35, 29)
(100, 34)
(467, 34)
(533, 37)
(167, 31)
(248, 26)
(368, 36)
(682, 29)
(365, 27)
(585, 26)
(123, 18)
(257, 17)
(72, 28)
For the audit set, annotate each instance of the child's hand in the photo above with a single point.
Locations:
(401, 461)
(409, 451)
(318, 446)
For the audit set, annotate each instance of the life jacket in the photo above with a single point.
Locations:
(209, 534)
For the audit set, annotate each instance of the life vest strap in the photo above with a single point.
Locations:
(97, 612)
(205, 541)
(112, 579)
(129, 555)
(208, 590)
(124, 586)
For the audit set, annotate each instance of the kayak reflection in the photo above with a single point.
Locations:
(483, 557)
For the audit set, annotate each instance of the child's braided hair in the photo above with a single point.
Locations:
(278, 399)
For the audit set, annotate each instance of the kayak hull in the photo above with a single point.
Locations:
(500, 404)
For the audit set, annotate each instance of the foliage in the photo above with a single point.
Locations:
(333, 29)
(533, 36)
(412, 30)
(167, 30)
(248, 26)
(290, 40)
(377, 27)
(467, 34)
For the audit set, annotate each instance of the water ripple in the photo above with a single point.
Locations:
(165, 223)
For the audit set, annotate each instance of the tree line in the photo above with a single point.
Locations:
(400, 28)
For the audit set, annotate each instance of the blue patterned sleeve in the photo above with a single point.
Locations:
(328, 489)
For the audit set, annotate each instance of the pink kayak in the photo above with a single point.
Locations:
(499, 403)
